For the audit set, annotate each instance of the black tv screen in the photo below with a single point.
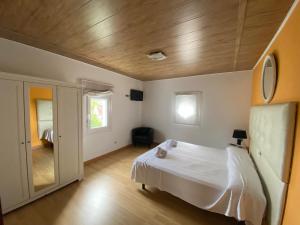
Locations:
(136, 95)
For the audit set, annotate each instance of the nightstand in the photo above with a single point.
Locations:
(240, 146)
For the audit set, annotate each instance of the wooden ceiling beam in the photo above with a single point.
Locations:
(242, 11)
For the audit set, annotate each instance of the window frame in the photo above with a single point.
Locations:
(109, 113)
(199, 106)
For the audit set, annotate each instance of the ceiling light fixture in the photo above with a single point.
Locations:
(157, 55)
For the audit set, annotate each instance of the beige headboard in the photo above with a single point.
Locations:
(271, 142)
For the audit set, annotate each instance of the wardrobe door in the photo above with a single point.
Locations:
(41, 137)
(13, 169)
(68, 134)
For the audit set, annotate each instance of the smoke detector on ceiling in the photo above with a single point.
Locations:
(158, 55)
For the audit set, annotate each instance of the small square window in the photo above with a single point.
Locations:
(187, 108)
(98, 112)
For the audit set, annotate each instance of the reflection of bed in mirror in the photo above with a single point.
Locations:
(47, 137)
(43, 153)
(45, 120)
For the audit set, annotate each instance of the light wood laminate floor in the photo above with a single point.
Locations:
(107, 196)
(43, 167)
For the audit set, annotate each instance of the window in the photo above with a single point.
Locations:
(98, 111)
(187, 108)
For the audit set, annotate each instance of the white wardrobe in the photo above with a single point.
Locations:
(40, 138)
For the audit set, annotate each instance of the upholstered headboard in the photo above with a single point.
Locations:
(271, 143)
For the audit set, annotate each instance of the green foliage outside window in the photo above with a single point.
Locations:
(96, 113)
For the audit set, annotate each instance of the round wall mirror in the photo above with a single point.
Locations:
(269, 78)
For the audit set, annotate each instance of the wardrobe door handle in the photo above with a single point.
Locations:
(22, 143)
(28, 142)
(59, 136)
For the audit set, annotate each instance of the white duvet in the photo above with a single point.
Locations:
(217, 180)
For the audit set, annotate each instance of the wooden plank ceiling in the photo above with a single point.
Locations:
(198, 36)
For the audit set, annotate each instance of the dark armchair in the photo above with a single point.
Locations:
(142, 135)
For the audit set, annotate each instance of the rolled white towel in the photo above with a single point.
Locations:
(173, 143)
(161, 153)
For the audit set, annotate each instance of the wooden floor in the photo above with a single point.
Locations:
(43, 168)
(107, 196)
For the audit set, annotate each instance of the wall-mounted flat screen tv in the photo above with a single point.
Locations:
(136, 95)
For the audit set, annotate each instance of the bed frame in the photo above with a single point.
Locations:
(271, 143)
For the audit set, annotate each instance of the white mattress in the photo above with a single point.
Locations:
(218, 180)
(48, 135)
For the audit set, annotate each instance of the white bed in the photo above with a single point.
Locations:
(218, 180)
(48, 135)
(225, 180)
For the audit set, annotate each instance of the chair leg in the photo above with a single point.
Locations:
(143, 186)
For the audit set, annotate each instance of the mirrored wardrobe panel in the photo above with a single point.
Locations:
(40, 104)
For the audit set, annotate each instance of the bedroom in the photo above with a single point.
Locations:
(89, 55)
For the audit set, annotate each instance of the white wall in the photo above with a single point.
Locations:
(226, 104)
(225, 107)
(23, 59)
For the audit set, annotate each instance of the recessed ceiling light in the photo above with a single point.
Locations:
(157, 55)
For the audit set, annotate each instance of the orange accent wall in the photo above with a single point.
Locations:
(286, 49)
(37, 93)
